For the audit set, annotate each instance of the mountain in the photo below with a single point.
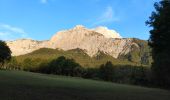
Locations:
(91, 41)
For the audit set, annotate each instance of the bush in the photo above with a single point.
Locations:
(138, 75)
(13, 64)
(63, 66)
(92, 73)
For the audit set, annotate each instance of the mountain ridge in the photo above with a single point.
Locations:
(107, 41)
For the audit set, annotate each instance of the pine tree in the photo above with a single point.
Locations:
(160, 42)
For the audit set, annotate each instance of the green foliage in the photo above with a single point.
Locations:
(134, 55)
(5, 53)
(12, 64)
(63, 66)
(160, 42)
(91, 73)
(106, 71)
(137, 75)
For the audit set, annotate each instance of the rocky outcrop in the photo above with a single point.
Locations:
(91, 40)
(24, 46)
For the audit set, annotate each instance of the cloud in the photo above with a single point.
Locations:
(106, 17)
(8, 32)
(44, 1)
(13, 29)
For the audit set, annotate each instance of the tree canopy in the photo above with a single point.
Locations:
(106, 71)
(63, 66)
(160, 42)
(5, 52)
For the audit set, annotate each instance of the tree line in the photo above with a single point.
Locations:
(138, 75)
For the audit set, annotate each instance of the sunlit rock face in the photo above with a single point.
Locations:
(90, 40)
(24, 46)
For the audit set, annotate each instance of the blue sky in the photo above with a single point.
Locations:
(41, 19)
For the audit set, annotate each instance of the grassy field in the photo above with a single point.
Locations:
(19, 85)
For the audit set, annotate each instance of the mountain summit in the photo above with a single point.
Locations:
(92, 41)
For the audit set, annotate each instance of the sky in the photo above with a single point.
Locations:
(41, 19)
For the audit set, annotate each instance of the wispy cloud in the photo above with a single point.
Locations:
(13, 29)
(44, 1)
(8, 32)
(106, 17)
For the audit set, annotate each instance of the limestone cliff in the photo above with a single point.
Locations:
(91, 40)
(24, 46)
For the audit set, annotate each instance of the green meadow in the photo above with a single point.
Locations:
(20, 85)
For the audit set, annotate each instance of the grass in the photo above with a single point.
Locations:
(19, 85)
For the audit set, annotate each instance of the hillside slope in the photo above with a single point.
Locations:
(78, 55)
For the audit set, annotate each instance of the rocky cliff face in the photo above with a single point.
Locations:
(24, 46)
(91, 40)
